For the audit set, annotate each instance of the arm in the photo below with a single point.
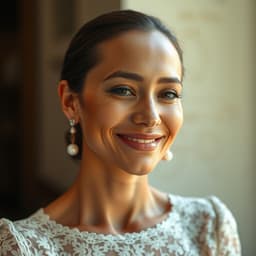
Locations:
(228, 243)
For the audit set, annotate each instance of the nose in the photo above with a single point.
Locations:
(147, 114)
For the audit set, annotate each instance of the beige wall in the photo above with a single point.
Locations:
(214, 151)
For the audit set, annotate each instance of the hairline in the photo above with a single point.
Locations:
(97, 49)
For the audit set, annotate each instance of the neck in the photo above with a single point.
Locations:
(112, 198)
(104, 199)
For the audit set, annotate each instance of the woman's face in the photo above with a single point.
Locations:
(130, 109)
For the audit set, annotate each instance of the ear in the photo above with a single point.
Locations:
(69, 101)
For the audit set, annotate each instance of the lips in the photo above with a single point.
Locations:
(142, 142)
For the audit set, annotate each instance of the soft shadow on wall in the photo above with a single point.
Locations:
(10, 108)
(20, 191)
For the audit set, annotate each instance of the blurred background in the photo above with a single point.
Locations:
(215, 150)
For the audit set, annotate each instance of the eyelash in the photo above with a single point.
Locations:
(125, 91)
(122, 91)
(174, 94)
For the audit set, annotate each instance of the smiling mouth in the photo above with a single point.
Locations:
(141, 142)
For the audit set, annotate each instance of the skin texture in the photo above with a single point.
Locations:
(132, 92)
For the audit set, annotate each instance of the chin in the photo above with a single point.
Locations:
(140, 170)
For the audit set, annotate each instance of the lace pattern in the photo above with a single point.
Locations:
(193, 227)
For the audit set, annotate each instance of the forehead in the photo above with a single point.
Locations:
(140, 51)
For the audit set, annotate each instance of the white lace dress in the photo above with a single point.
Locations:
(194, 227)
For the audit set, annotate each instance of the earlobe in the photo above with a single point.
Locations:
(69, 100)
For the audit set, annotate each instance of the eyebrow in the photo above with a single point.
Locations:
(127, 75)
(139, 78)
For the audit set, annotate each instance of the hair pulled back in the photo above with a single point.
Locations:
(82, 55)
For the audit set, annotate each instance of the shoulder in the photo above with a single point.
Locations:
(11, 241)
(213, 208)
(222, 213)
(212, 217)
(210, 205)
(194, 206)
(226, 229)
(16, 237)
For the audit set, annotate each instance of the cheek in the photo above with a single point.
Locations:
(174, 119)
(103, 113)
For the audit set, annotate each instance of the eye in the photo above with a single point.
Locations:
(169, 95)
(122, 91)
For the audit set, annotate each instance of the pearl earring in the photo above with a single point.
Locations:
(168, 156)
(72, 148)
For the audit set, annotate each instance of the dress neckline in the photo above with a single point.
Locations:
(45, 219)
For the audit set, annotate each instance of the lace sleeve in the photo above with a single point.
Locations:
(11, 242)
(228, 242)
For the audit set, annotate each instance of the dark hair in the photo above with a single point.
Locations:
(82, 54)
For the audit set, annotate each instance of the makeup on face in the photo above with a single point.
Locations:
(132, 109)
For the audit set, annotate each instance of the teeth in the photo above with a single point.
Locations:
(140, 140)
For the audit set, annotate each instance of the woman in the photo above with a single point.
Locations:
(120, 89)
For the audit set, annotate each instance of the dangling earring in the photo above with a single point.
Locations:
(72, 148)
(168, 156)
